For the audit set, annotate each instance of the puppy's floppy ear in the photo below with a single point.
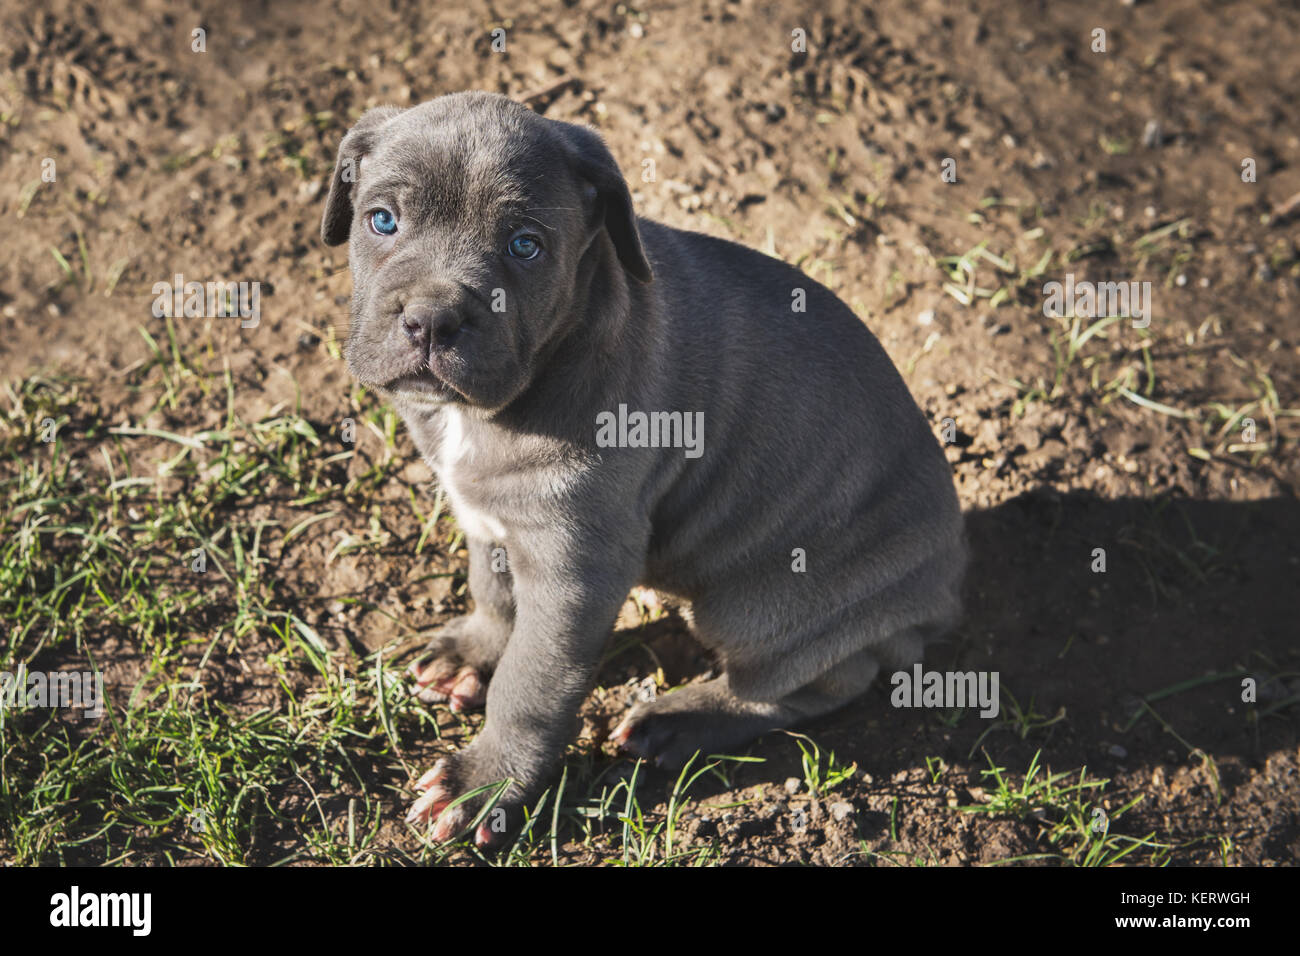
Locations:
(337, 223)
(593, 162)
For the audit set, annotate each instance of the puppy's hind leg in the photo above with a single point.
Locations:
(463, 653)
(710, 717)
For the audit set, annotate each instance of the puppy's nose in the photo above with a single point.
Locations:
(427, 325)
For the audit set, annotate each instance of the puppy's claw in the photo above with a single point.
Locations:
(442, 681)
(448, 811)
(468, 687)
(432, 775)
(428, 806)
(436, 673)
(449, 824)
(468, 694)
(628, 741)
(620, 734)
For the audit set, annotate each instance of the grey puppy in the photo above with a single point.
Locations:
(526, 325)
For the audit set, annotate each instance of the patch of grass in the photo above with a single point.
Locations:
(820, 779)
(168, 564)
(1068, 809)
(1245, 434)
(180, 773)
(592, 818)
(936, 768)
(961, 272)
(1022, 721)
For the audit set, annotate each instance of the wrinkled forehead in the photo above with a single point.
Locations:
(467, 176)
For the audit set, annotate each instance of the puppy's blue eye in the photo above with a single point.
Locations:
(524, 247)
(383, 222)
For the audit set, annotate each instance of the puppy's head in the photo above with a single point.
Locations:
(470, 220)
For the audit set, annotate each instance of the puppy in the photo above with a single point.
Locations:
(608, 401)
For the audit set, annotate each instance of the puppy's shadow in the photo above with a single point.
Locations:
(1140, 624)
(1109, 607)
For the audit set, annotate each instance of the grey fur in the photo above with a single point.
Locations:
(811, 440)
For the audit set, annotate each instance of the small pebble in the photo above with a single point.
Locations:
(792, 785)
(1118, 752)
(1152, 136)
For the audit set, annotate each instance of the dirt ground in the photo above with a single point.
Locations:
(1125, 164)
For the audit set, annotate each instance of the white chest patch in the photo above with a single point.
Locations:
(452, 450)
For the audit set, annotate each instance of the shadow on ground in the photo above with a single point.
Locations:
(1135, 672)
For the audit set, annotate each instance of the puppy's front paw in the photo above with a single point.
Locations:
(456, 776)
(455, 665)
(446, 679)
